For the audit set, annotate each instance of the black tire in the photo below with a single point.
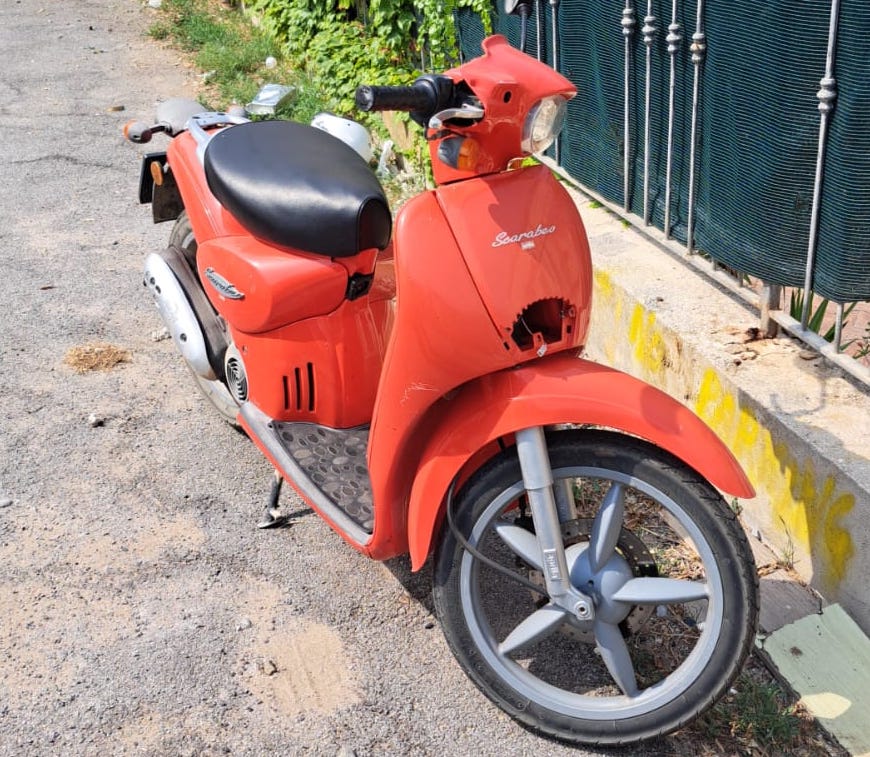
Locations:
(683, 659)
(215, 391)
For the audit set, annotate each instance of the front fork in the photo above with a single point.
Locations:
(551, 505)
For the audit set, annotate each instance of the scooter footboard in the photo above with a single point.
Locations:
(559, 389)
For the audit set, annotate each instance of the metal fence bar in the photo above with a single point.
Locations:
(838, 327)
(554, 17)
(539, 30)
(674, 38)
(628, 24)
(649, 33)
(827, 95)
(698, 49)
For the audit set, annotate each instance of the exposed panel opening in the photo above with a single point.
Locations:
(543, 322)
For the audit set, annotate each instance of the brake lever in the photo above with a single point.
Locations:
(466, 111)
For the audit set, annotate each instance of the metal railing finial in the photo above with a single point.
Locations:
(698, 49)
(649, 33)
(674, 40)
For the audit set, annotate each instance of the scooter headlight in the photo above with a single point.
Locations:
(543, 124)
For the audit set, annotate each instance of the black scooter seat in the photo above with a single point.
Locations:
(297, 186)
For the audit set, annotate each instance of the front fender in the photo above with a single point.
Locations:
(559, 389)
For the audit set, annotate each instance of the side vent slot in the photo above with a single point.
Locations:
(298, 385)
(299, 389)
(310, 387)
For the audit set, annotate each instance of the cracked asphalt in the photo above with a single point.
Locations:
(141, 611)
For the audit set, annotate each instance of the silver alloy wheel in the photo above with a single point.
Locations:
(644, 591)
(656, 552)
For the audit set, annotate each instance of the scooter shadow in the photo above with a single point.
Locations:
(418, 585)
(274, 519)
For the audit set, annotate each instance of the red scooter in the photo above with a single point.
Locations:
(420, 385)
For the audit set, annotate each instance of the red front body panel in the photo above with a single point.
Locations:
(459, 298)
(524, 243)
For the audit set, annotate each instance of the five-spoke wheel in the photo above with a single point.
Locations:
(663, 560)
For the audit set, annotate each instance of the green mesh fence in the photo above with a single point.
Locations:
(758, 128)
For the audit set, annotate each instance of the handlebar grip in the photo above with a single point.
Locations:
(417, 97)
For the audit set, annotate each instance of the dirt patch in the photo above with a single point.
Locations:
(148, 731)
(301, 670)
(292, 664)
(37, 616)
(97, 356)
(149, 539)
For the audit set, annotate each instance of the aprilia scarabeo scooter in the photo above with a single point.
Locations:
(420, 385)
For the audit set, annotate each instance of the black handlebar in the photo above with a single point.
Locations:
(425, 97)
(411, 98)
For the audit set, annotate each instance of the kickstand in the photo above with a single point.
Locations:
(272, 516)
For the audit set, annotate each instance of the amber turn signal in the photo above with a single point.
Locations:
(460, 153)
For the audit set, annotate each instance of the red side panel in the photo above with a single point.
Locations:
(207, 216)
(321, 370)
(324, 369)
(271, 288)
(310, 354)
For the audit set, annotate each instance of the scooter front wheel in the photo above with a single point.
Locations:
(664, 560)
(214, 390)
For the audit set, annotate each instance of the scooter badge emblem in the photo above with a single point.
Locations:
(223, 287)
(524, 238)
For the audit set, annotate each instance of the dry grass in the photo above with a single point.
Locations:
(97, 356)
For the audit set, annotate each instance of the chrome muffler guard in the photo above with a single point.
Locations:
(178, 314)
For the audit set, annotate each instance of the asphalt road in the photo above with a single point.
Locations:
(141, 611)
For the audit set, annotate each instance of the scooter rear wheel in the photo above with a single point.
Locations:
(215, 391)
(658, 652)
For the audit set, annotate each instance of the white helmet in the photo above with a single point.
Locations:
(350, 132)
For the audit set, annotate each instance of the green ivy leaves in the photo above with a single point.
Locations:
(344, 43)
